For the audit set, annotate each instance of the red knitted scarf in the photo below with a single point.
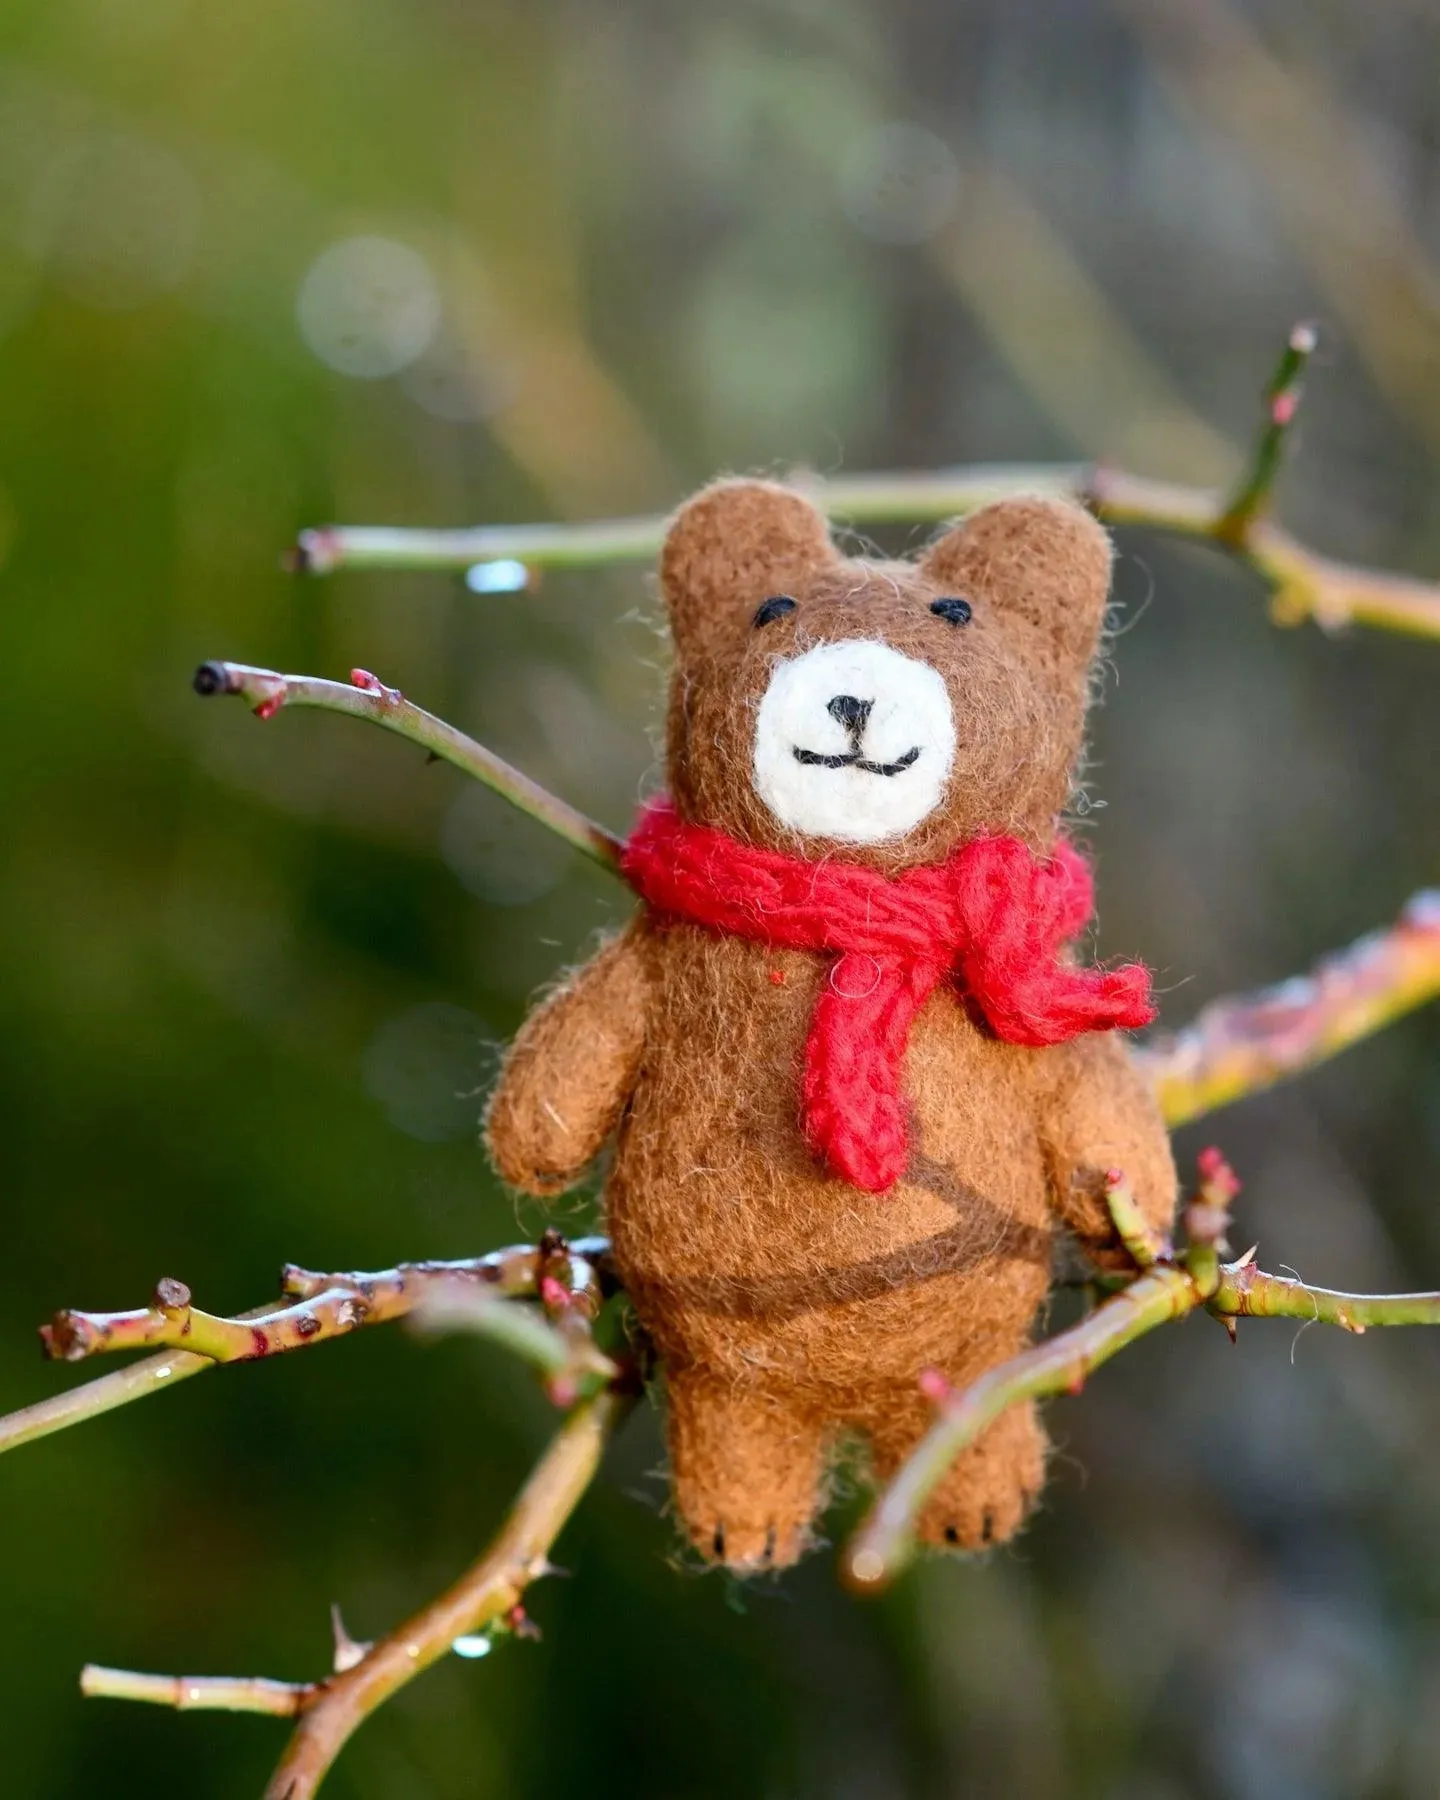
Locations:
(993, 915)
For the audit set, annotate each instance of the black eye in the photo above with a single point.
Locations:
(955, 612)
(775, 607)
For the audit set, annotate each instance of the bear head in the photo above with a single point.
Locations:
(878, 712)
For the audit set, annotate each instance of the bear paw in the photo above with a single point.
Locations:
(992, 1488)
(745, 1545)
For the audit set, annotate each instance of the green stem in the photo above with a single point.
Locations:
(1304, 583)
(893, 499)
(1282, 400)
(156, 1375)
(554, 1353)
(267, 691)
(1245, 1292)
(885, 1541)
(1143, 1244)
(884, 1544)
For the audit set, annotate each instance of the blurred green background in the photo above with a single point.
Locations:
(436, 263)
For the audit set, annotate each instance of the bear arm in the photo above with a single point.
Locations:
(571, 1070)
(1100, 1114)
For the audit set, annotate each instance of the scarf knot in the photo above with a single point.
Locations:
(993, 917)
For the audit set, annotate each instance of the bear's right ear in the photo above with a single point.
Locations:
(730, 548)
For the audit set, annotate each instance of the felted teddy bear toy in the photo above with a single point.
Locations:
(856, 1081)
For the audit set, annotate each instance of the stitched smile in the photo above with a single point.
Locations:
(814, 760)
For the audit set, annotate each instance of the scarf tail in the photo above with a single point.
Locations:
(852, 1105)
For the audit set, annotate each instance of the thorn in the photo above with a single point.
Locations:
(1231, 1329)
(362, 678)
(1076, 1383)
(267, 709)
(1244, 1262)
(348, 1651)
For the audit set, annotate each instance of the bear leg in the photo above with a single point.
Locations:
(746, 1464)
(989, 1490)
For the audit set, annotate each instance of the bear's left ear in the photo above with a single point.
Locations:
(1043, 561)
(732, 547)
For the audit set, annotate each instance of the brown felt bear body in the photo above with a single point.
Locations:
(789, 1307)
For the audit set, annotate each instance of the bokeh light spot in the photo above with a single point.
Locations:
(899, 183)
(369, 306)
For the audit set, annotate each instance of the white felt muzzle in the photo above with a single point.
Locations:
(853, 741)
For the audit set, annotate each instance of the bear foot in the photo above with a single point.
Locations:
(746, 1465)
(989, 1490)
(992, 1488)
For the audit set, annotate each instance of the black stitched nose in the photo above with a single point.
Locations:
(850, 712)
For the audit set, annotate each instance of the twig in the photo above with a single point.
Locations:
(489, 1593)
(1246, 1292)
(155, 1375)
(1169, 1289)
(1239, 1046)
(884, 1543)
(198, 1693)
(383, 1294)
(171, 1320)
(1282, 401)
(1304, 584)
(568, 1360)
(266, 691)
(1142, 1243)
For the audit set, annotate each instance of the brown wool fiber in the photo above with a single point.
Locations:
(788, 1307)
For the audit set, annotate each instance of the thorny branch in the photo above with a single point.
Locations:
(488, 1596)
(1167, 1285)
(570, 1282)
(1303, 583)
(1234, 1047)
(1241, 1045)
(266, 691)
(323, 1306)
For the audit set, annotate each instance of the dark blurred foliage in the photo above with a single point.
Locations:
(255, 974)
